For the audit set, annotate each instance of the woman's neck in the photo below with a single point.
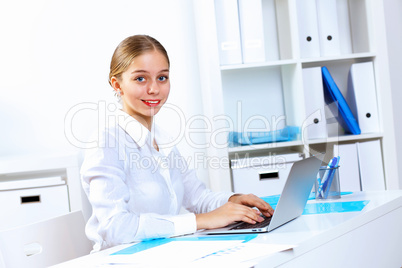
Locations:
(145, 121)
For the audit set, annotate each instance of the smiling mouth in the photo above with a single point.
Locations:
(152, 103)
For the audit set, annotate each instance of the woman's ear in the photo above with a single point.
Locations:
(116, 85)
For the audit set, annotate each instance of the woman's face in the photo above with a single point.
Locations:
(145, 86)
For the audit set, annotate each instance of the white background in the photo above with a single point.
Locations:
(55, 58)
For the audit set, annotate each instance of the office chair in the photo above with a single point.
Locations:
(44, 243)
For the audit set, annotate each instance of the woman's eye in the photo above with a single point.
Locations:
(140, 79)
(162, 78)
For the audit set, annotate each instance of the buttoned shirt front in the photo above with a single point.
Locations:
(136, 191)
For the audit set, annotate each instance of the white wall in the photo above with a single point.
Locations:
(55, 58)
(393, 20)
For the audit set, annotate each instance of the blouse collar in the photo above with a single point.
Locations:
(141, 135)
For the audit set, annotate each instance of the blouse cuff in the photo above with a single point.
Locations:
(226, 197)
(184, 224)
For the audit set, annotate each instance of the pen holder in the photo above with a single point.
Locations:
(327, 184)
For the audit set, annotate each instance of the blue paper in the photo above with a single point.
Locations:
(144, 245)
(334, 207)
(273, 199)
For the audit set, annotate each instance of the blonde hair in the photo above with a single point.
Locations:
(130, 48)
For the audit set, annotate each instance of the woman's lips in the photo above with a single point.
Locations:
(151, 103)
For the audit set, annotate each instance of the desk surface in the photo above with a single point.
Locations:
(313, 232)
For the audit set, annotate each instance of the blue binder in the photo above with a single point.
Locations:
(333, 95)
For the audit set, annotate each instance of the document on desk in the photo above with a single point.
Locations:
(241, 255)
(172, 254)
(324, 207)
(197, 254)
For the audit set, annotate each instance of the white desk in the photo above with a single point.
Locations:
(369, 238)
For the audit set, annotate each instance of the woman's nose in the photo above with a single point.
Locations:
(153, 88)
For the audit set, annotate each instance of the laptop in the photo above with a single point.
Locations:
(291, 203)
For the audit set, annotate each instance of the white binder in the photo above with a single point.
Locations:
(349, 174)
(308, 29)
(328, 29)
(228, 30)
(251, 31)
(271, 40)
(345, 36)
(315, 121)
(371, 166)
(359, 27)
(362, 97)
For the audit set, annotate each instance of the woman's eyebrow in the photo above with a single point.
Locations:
(144, 71)
(139, 71)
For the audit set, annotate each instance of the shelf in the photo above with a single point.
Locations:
(265, 146)
(295, 61)
(340, 57)
(258, 64)
(347, 138)
(258, 147)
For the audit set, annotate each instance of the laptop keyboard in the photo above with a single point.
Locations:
(246, 225)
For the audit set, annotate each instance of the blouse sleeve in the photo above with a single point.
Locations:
(112, 222)
(197, 197)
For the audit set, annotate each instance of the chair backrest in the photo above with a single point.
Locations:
(45, 243)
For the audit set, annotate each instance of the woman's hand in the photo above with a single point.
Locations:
(251, 200)
(227, 214)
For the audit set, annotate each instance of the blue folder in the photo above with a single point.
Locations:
(288, 133)
(333, 95)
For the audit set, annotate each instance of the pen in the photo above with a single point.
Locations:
(331, 175)
(319, 184)
(324, 179)
(328, 176)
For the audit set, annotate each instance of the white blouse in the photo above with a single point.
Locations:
(136, 192)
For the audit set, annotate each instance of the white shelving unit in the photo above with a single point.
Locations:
(274, 89)
(34, 188)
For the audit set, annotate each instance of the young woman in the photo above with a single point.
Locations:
(135, 185)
